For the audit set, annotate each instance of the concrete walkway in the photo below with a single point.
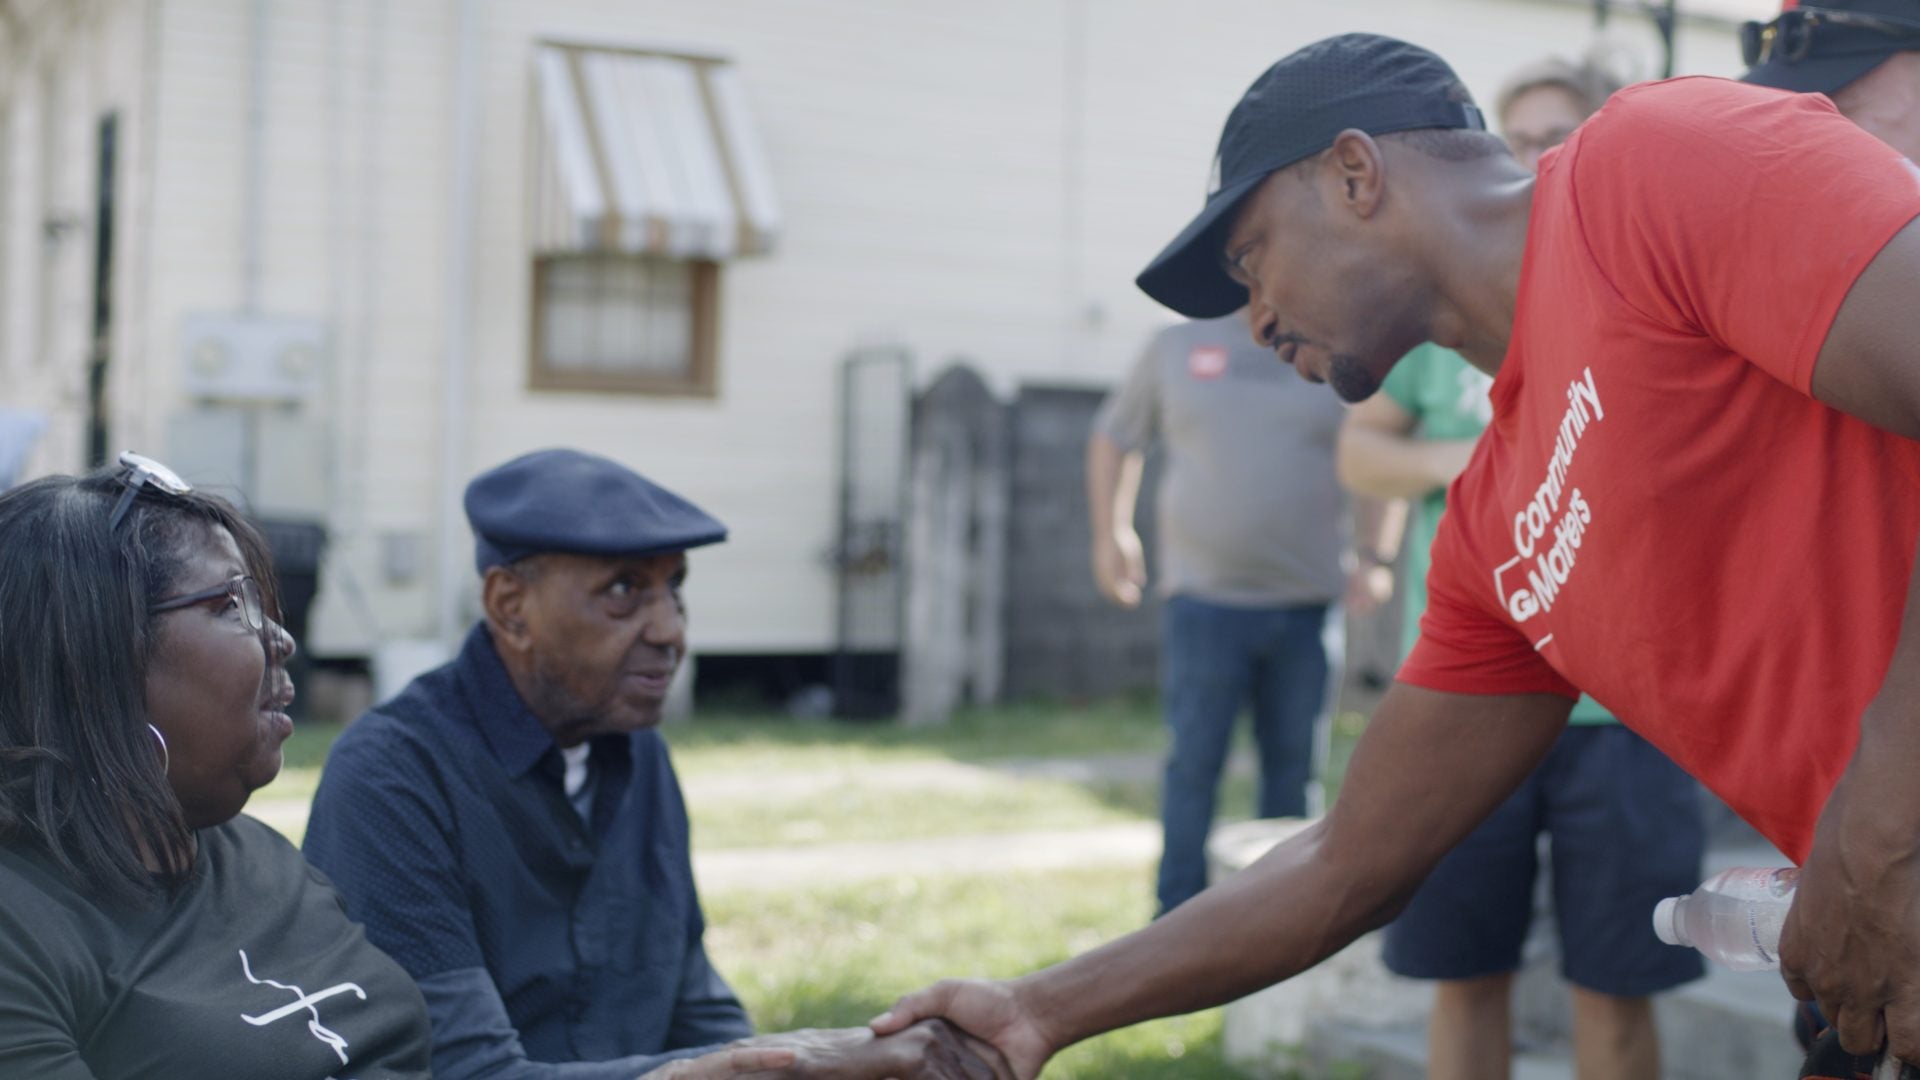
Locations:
(932, 775)
(791, 865)
(1129, 844)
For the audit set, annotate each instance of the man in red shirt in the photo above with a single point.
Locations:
(1862, 54)
(1698, 500)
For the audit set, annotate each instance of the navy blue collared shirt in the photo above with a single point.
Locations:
(546, 946)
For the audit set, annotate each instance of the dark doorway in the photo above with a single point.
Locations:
(876, 388)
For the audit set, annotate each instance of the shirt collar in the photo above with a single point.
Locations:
(515, 736)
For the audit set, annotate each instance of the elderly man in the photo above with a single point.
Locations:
(510, 829)
(1698, 500)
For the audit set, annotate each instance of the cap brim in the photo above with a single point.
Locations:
(1814, 75)
(493, 551)
(1189, 276)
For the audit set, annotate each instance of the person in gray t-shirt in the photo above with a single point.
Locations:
(1250, 520)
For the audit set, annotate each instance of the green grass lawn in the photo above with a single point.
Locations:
(735, 743)
(745, 741)
(853, 812)
(833, 955)
(976, 794)
(981, 799)
(836, 956)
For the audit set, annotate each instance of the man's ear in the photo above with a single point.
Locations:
(507, 597)
(1359, 168)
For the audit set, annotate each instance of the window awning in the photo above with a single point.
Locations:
(646, 153)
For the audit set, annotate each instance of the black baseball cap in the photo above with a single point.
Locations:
(1818, 48)
(1291, 112)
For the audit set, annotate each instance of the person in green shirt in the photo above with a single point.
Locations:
(1624, 821)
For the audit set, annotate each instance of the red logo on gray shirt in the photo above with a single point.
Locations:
(1207, 361)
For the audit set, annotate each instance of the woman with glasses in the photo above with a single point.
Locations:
(147, 930)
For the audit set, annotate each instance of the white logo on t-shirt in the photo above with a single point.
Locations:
(1528, 583)
(302, 1000)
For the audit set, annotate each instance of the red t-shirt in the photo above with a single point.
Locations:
(1660, 513)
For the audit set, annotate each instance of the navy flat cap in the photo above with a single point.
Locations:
(564, 500)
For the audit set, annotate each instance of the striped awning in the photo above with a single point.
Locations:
(646, 153)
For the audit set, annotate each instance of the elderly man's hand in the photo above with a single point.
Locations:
(1852, 937)
(931, 1050)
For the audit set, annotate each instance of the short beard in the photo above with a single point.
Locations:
(1350, 379)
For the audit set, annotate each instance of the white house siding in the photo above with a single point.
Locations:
(83, 58)
(975, 180)
(353, 180)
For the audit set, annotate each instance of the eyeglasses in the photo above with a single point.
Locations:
(143, 470)
(1790, 37)
(242, 590)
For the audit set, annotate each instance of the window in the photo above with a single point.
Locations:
(635, 323)
(647, 179)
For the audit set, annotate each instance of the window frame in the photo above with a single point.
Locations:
(701, 379)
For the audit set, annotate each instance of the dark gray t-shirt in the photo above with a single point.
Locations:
(251, 970)
(1250, 512)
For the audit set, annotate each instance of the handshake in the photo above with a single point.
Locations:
(928, 1050)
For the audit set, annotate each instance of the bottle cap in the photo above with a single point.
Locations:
(1666, 921)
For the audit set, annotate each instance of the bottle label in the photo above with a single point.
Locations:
(1763, 920)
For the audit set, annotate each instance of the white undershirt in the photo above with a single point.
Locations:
(575, 780)
(576, 759)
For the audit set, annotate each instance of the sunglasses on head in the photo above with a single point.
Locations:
(1789, 38)
(142, 471)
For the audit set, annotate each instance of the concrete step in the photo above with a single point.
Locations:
(1729, 1025)
(1336, 1052)
(1732, 1023)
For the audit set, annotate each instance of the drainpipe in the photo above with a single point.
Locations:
(455, 547)
(252, 224)
(253, 192)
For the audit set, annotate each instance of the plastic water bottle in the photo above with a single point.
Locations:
(1734, 917)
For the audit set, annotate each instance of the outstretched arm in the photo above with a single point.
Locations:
(1428, 769)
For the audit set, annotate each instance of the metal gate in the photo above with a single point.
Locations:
(876, 386)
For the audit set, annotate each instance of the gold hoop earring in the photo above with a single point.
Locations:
(166, 759)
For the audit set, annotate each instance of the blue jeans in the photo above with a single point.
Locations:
(1213, 658)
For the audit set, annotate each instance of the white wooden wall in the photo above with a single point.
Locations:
(977, 180)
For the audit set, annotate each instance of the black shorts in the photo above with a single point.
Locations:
(1625, 832)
